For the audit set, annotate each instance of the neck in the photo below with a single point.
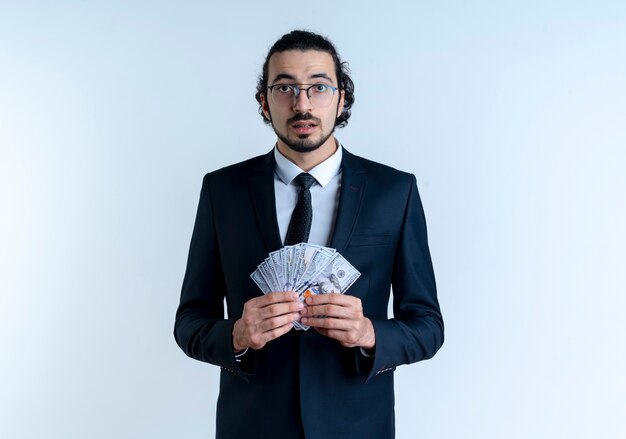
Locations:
(308, 160)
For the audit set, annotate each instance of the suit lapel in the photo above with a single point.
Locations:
(264, 201)
(353, 182)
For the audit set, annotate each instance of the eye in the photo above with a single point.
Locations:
(321, 88)
(284, 88)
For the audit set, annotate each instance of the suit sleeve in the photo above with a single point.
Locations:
(416, 331)
(200, 328)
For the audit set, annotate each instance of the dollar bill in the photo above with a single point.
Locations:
(307, 269)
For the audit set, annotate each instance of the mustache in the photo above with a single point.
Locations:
(304, 116)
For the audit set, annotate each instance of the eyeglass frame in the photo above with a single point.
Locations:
(297, 87)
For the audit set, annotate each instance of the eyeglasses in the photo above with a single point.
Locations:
(320, 95)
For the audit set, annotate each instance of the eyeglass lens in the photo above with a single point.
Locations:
(320, 95)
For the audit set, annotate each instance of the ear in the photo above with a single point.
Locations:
(342, 95)
(265, 107)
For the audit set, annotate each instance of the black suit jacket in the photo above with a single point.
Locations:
(304, 382)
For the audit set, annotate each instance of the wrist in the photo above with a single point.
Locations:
(238, 344)
(369, 340)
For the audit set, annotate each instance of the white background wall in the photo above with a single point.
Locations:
(511, 114)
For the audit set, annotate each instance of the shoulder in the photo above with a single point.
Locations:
(241, 170)
(375, 170)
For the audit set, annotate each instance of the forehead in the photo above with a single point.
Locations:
(301, 65)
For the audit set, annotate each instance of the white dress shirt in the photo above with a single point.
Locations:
(324, 195)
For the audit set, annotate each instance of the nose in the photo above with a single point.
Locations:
(301, 103)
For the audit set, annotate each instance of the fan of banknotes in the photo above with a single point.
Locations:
(306, 269)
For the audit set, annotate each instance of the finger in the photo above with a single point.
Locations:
(277, 322)
(279, 309)
(277, 297)
(258, 339)
(275, 328)
(267, 300)
(328, 323)
(337, 299)
(331, 310)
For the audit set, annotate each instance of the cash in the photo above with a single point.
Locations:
(307, 269)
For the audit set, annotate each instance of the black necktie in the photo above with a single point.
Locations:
(302, 216)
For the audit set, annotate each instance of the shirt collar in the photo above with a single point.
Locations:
(323, 173)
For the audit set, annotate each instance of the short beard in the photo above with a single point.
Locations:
(303, 144)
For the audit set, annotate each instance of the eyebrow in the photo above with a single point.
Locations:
(290, 77)
(282, 76)
(321, 75)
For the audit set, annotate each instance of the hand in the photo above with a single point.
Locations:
(265, 318)
(342, 319)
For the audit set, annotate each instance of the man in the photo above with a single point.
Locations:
(335, 380)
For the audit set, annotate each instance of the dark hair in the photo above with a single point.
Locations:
(304, 40)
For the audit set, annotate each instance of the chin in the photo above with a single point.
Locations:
(302, 143)
(303, 146)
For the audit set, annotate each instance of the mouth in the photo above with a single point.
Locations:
(304, 126)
